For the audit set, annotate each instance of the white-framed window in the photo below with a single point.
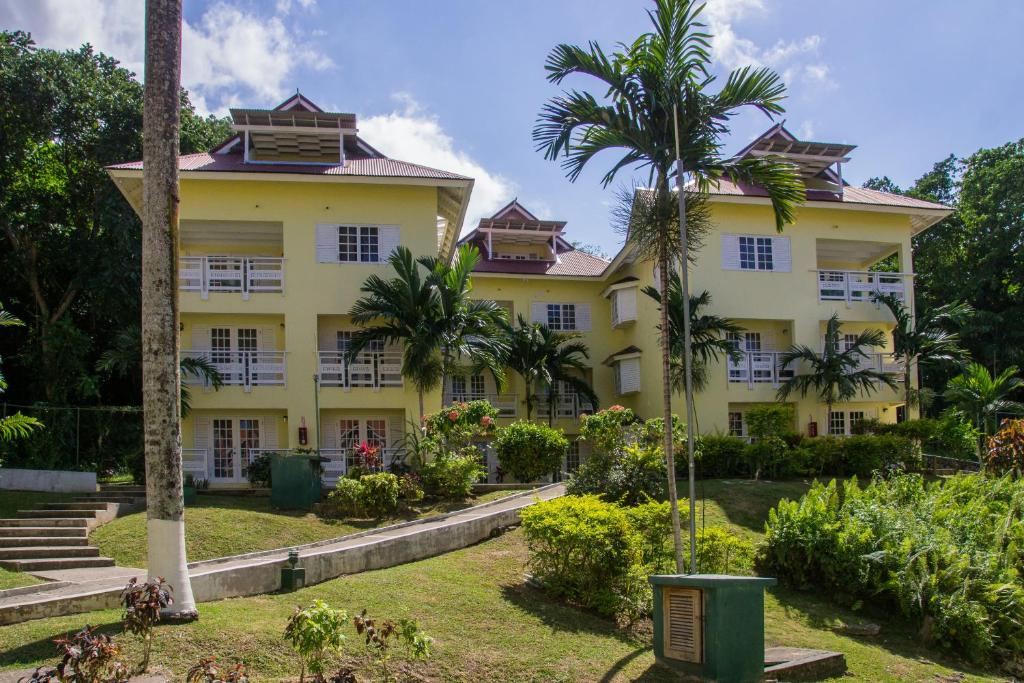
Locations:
(736, 425)
(837, 423)
(476, 387)
(572, 458)
(756, 253)
(562, 317)
(856, 417)
(347, 243)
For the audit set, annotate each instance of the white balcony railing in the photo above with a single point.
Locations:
(885, 363)
(246, 369)
(855, 285)
(244, 274)
(371, 369)
(568, 406)
(195, 461)
(341, 460)
(759, 367)
(505, 403)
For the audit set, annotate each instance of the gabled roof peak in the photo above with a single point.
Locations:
(514, 211)
(298, 101)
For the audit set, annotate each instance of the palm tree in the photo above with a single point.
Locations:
(708, 333)
(926, 340)
(564, 357)
(469, 328)
(526, 352)
(404, 310)
(978, 394)
(15, 426)
(836, 373)
(161, 374)
(642, 86)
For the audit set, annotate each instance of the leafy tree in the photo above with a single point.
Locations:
(641, 87)
(984, 397)
(926, 340)
(835, 373)
(15, 426)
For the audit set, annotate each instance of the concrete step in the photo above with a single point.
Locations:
(45, 521)
(48, 551)
(37, 531)
(86, 505)
(50, 563)
(25, 541)
(107, 498)
(139, 490)
(62, 513)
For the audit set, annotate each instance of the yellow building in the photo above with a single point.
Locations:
(282, 223)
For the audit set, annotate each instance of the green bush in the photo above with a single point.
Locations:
(653, 524)
(947, 554)
(862, 455)
(608, 430)
(344, 501)
(410, 487)
(767, 457)
(951, 435)
(770, 420)
(451, 476)
(528, 451)
(459, 423)
(258, 471)
(720, 551)
(378, 494)
(634, 475)
(720, 456)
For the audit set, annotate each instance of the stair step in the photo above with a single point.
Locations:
(123, 489)
(26, 541)
(49, 563)
(85, 505)
(45, 521)
(48, 551)
(38, 531)
(62, 513)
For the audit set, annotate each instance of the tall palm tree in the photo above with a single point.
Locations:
(709, 332)
(17, 426)
(526, 353)
(161, 374)
(564, 364)
(403, 310)
(469, 328)
(978, 394)
(641, 87)
(927, 340)
(835, 374)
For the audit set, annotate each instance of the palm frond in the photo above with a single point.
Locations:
(18, 426)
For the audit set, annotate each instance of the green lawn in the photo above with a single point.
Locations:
(741, 504)
(12, 501)
(9, 579)
(230, 525)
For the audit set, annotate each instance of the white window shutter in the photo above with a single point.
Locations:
(396, 430)
(329, 433)
(268, 437)
(326, 243)
(730, 252)
(627, 304)
(389, 240)
(201, 433)
(200, 338)
(266, 339)
(539, 312)
(629, 375)
(782, 258)
(583, 317)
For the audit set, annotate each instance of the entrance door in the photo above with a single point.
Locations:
(234, 441)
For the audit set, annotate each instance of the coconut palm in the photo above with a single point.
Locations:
(709, 332)
(17, 426)
(836, 374)
(927, 340)
(641, 87)
(984, 397)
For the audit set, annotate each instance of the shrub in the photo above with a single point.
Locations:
(766, 456)
(142, 603)
(529, 451)
(459, 423)
(379, 638)
(451, 476)
(770, 420)
(314, 632)
(951, 435)
(720, 456)
(207, 670)
(607, 429)
(720, 551)
(86, 657)
(1005, 451)
(946, 554)
(410, 487)
(653, 525)
(635, 475)
(258, 471)
(378, 494)
(344, 500)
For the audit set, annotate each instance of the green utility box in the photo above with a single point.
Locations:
(294, 481)
(711, 625)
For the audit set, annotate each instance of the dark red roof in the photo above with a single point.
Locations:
(571, 263)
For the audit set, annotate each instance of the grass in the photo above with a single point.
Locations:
(12, 501)
(9, 579)
(218, 526)
(741, 504)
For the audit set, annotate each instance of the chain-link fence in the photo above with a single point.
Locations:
(101, 439)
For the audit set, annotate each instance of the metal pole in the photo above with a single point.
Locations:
(316, 403)
(78, 437)
(687, 351)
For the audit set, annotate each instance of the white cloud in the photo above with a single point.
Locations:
(806, 130)
(229, 55)
(798, 61)
(411, 134)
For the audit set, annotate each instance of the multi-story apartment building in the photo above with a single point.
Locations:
(282, 223)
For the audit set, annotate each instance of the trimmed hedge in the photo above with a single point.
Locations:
(529, 451)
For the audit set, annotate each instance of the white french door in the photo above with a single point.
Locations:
(231, 350)
(353, 432)
(234, 440)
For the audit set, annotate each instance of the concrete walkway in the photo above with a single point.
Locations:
(77, 591)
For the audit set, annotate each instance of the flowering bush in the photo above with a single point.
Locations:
(607, 429)
(460, 423)
(529, 451)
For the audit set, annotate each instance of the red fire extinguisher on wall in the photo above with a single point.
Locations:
(812, 428)
(303, 432)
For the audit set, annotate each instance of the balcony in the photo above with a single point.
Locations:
(857, 285)
(885, 363)
(246, 369)
(567, 406)
(759, 367)
(370, 369)
(506, 404)
(242, 274)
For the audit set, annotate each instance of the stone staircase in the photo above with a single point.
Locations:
(56, 535)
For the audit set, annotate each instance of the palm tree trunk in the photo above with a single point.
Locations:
(165, 521)
(552, 397)
(907, 388)
(423, 413)
(666, 413)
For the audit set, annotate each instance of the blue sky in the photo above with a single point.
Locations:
(458, 83)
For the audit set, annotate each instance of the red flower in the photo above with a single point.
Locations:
(485, 420)
(616, 407)
(453, 416)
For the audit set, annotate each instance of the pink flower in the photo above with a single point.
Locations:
(453, 416)
(486, 420)
(616, 408)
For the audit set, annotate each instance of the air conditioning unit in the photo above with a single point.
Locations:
(711, 625)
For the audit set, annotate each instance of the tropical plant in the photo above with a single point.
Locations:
(142, 604)
(379, 639)
(15, 426)
(529, 451)
(926, 340)
(984, 397)
(86, 657)
(707, 334)
(836, 373)
(1006, 449)
(314, 632)
(207, 670)
(642, 88)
